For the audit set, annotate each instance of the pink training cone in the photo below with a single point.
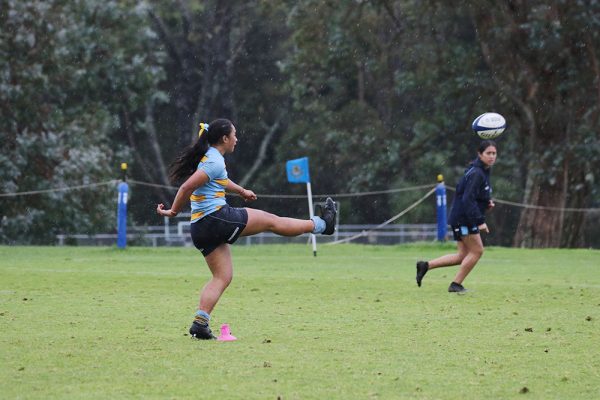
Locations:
(226, 335)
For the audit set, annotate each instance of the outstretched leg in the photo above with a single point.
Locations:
(443, 261)
(262, 221)
(450, 259)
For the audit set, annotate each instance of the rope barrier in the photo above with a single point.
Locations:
(32, 192)
(567, 209)
(395, 217)
(301, 196)
(534, 207)
(156, 185)
(291, 196)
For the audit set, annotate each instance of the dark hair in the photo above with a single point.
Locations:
(186, 163)
(485, 144)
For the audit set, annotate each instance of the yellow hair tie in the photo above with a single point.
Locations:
(203, 127)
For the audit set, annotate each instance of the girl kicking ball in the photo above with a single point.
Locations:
(214, 224)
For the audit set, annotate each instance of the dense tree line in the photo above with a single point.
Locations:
(67, 69)
(379, 94)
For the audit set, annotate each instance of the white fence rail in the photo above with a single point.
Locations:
(178, 235)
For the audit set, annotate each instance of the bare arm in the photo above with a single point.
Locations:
(198, 178)
(244, 193)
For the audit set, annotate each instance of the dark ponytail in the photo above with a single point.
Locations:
(186, 163)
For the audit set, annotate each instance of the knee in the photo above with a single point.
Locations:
(273, 221)
(268, 221)
(227, 279)
(224, 279)
(477, 252)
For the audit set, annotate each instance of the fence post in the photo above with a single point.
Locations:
(440, 194)
(122, 210)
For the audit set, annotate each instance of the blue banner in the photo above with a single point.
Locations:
(297, 170)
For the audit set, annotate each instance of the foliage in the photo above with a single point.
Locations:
(66, 70)
(378, 93)
(219, 62)
(543, 57)
(388, 98)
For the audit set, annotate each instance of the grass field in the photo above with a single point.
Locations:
(350, 324)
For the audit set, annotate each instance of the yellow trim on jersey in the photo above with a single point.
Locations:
(203, 159)
(195, 197)
(197, 215)
(220, 194)
(222, 182)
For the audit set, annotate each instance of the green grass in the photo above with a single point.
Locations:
(350, 324)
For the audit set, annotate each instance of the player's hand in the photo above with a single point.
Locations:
(484, 228)
(248, 195)
(160, 210)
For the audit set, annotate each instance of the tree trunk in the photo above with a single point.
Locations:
(541, 227)
(262, 153)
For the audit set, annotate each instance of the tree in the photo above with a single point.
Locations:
(219, 63)
(376, 97)
(544, 59)
(527, 59)
(67, 67)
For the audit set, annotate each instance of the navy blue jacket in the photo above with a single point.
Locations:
(473, 194)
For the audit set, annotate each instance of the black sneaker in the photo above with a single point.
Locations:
(199, 330)
(456, 288)
(422, 268)
(328, 213)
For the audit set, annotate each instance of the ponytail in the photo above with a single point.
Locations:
(187, 161)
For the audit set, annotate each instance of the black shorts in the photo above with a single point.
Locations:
(222, 226)
(460, 231)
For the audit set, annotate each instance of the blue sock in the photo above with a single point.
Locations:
(319, 225)
(202, 316)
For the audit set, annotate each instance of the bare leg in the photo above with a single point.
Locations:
(261, 221)
(474, 247)
(450, 259)
(220, 265)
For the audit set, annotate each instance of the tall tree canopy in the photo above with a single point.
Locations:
(378, 93)
(66, 69)
(543, 58)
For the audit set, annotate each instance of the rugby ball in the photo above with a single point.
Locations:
(489, 125)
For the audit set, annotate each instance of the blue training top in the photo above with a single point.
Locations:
(473, 194)
(210, 197)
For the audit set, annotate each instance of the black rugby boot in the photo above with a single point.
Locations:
(456, 288)
(422, 268)
(201, 330)
(328, 213)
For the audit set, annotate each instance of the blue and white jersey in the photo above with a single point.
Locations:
(210, 197)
